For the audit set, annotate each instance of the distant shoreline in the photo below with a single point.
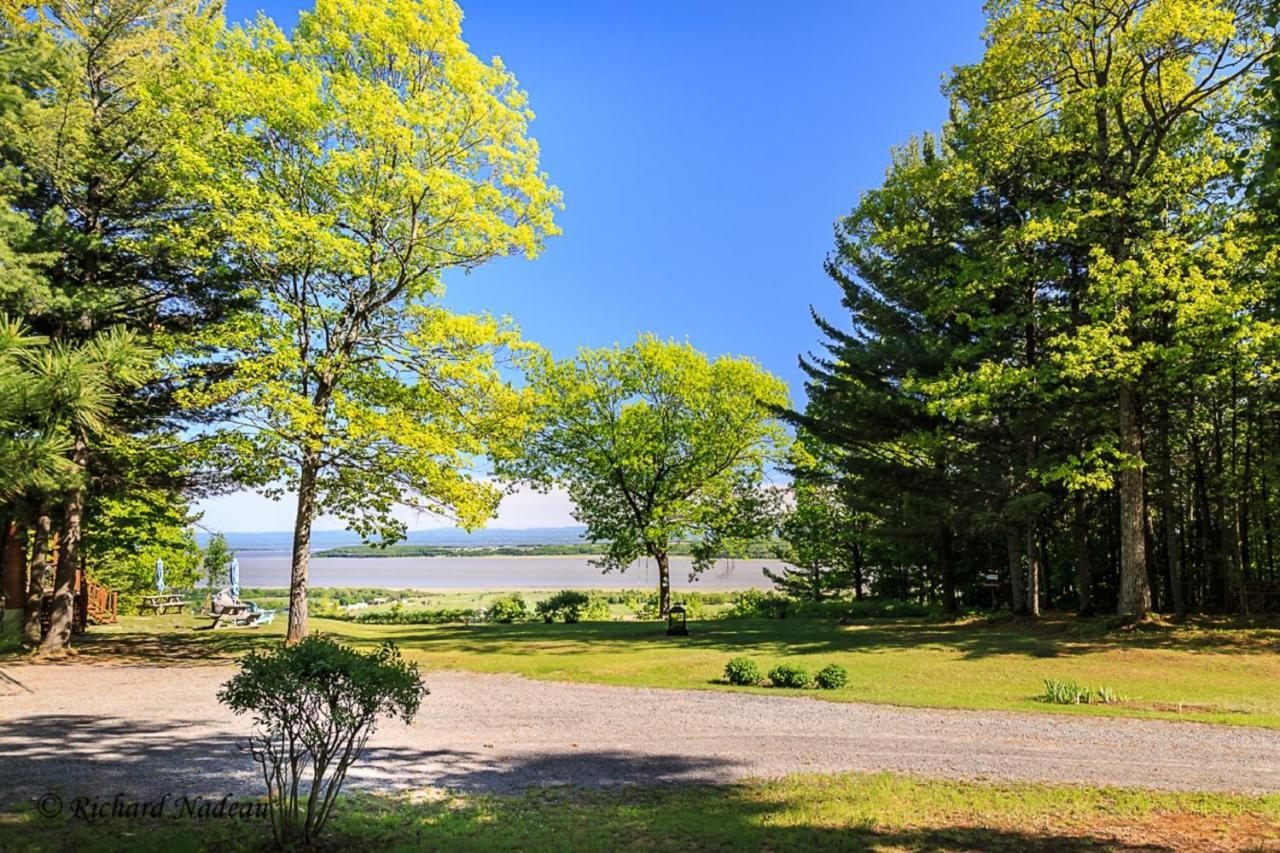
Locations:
(763, 550)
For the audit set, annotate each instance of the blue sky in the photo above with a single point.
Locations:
(705, 150)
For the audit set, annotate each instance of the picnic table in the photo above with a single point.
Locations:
(239, 614)
(160, 604)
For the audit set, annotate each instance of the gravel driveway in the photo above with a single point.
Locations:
(95, 730)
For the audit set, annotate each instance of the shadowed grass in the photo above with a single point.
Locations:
(848, 811)
(1207, 670)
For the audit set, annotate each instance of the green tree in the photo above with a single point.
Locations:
(823, 540)
(367, 153)
(92, 98)
(656, 444)
(217, 561)
(1135, 103)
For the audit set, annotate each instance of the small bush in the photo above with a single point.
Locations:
(789, 675)
(314, 706)
(509, 608)
(832, 677)
(742, 672)
(571, 605)
(754, 604)
(1063, 692)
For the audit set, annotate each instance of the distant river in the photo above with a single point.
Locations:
(271, 569)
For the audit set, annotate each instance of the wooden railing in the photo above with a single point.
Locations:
(90, 602)
(99, 603)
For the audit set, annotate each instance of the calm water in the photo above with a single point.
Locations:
(271, 568)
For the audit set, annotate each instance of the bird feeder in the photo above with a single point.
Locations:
(677, 625)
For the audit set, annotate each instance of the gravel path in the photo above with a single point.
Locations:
(95, 730)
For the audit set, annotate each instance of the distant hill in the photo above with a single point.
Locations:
(443, 537)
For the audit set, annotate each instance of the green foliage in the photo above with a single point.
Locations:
(314, 705)
(1056, 304)
(1066, 692)
(130, 532)
(754, 604)
(743, 672)
(790, 675)
(508, 608)
(831, 677)
(655, 444)
(398, 614)
(217, 561)
(358, 158)
(571, 605)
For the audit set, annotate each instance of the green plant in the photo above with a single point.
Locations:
(568, 605)
(400, 615)
(743, 672)
(790, 675)
(754, 604)
(1063, 692)
(508, 608)
(832, 677)
(314, 705)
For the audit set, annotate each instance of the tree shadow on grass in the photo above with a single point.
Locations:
(1057, 635)
(1053, 636)
(542, 799)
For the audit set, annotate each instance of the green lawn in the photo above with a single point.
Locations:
(1207, 670)
(849, 811)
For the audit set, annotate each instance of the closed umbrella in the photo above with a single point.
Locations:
(159, 575)
(235, 577)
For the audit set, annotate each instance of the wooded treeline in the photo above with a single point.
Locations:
(1059, 361)
(221, 258)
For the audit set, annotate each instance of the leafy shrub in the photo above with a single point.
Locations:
(400, 615)
(646, 606)
(754, 604)
(789, 675)
(832, 677)
(508, 608)
(1063, 692)
(314, 706)
(870, 608)
(571, 605)
(743, 672)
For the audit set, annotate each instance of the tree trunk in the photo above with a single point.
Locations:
(306, 514)
(1172, 540)
(62, 615)
(39, 577)
(1135, 591)
(1033, 571)
(1015, 570)
(664, 584)
(1084, 565)
(947, 566)
(857, 572)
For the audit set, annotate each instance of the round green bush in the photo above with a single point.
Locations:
(509, 608)
(832, 677)
(789, 675)
(742, 672)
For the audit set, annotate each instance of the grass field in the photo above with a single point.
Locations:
(1206, 670)
(854, 811)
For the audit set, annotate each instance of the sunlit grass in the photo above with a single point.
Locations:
(847, 811)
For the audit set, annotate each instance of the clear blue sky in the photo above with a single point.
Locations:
(705, 149)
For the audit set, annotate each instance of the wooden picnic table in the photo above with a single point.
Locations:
(241, 615)
(161, 604)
